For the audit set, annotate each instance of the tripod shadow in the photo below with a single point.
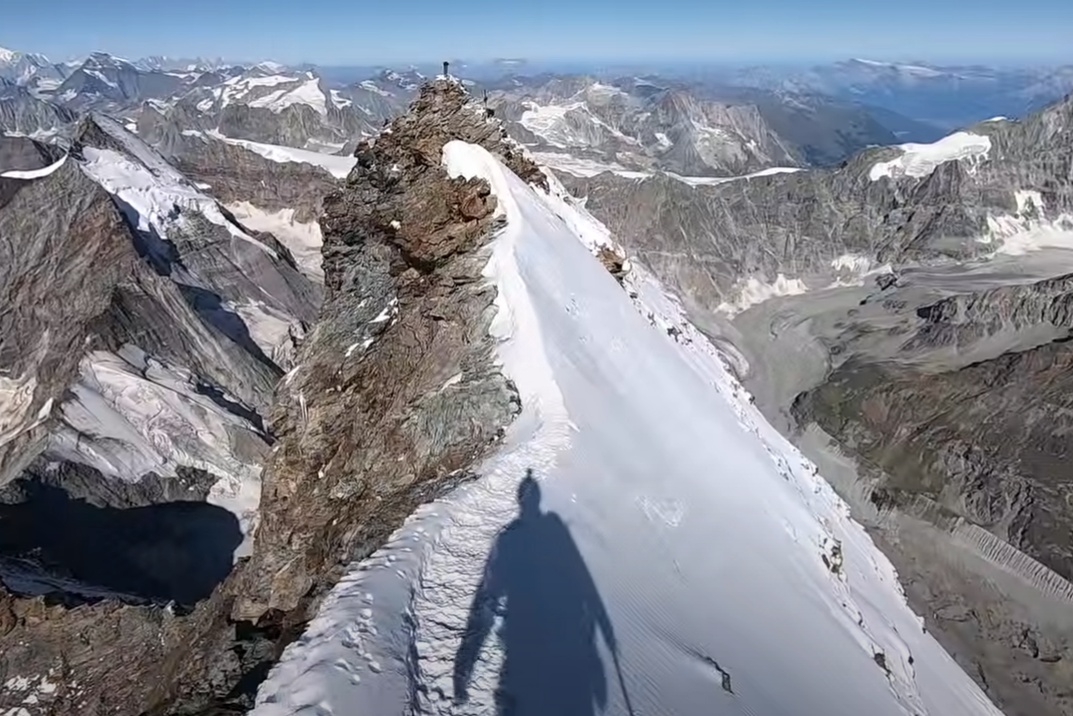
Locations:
(537, 581)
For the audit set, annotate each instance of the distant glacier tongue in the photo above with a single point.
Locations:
(671, 554)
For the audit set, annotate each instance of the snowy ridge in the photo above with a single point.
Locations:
(920, 160)
(35, 173)
(732, 575)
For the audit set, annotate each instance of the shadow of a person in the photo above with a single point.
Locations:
(537, 580)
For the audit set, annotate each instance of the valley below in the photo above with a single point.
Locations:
(996, 598)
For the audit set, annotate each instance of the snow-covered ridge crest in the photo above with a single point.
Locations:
(920, 160)
(732, 574)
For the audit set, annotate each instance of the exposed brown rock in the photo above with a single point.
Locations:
(615, 264)
(380, 416)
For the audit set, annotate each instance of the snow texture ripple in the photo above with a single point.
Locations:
(732, 578)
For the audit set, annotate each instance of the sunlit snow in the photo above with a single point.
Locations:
(35, 173)
(677, 555)
(919, 160)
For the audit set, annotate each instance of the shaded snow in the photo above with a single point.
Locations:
(704, 530)
(919, 160)
(130, 414)
(35, 173)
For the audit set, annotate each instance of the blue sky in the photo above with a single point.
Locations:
(361, 32)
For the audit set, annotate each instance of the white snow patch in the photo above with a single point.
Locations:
(156, 193)
(302, 239)
(1029, 229)
(753, 290)
(339, 100)
(337, 166)
(269, 328)
(702, 528)
(35, 173)
(236, 88)
(853, 269)
(100, 77)
(131, 414)
(583, 166)
(372, 87)
(712, 181)
(308, 93)
(16, 401)
(920, 160)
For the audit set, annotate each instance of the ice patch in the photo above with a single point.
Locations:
(132, 414)
(339, 100)
(1029, 229)
(920, 160)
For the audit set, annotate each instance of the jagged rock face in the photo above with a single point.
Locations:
(24, 154)
(674, 129)
(704, 239)
(22, 113)
(140, 329)
(986, 445)
(962, 319)
(103, 80)
(374, 425)
(692, 130)
(294, 126)
(44, 331)
(235, 174)
(394, 397)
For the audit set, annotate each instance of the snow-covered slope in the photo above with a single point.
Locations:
(723, 572)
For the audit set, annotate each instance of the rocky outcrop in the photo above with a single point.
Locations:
(394, 398)
(962, 319)
(20, 154)
(396, 394)
(235, 174)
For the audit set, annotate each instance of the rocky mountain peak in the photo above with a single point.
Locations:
(408, 154)
(405, 310)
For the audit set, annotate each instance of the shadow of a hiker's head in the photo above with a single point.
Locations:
(529, 496)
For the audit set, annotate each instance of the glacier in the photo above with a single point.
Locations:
(662, 548)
